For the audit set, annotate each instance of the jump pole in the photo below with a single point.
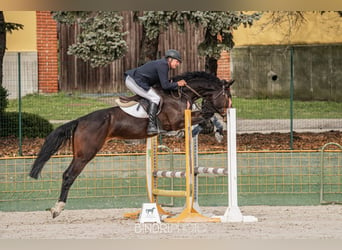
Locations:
(233, 213)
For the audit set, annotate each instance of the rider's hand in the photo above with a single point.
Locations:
(181, 83)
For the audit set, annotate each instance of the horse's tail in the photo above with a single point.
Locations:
(52, 143)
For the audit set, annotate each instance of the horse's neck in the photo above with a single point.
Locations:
(198, 89)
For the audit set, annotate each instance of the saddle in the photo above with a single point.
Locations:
(129, 101)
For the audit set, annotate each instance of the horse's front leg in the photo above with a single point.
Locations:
(196, 117)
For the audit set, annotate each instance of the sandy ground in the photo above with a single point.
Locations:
(274, 222)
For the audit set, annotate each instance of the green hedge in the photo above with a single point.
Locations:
(3, 99)
(32, 125)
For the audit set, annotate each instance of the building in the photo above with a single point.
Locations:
(320, 35)
(261, 59)
(36, 47)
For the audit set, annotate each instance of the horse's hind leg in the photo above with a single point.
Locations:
(69, 176)
(87, 141)
(83, 154)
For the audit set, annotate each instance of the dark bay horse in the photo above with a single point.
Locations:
(89, 133)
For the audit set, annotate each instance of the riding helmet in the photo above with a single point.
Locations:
(173, 54)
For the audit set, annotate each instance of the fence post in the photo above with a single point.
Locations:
(291, 99)
(19, 105)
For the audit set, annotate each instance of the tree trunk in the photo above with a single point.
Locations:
(211, 65)
(148, 49)
(210, 61)
(2, 43)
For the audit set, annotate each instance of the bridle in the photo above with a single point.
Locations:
(222, 92)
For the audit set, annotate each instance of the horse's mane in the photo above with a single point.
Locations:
(197, 74)
(207, 79)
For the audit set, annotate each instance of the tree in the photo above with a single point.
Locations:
(97, 28)
(101, 40)
(289, 22)
(153, 23)
(219, 26)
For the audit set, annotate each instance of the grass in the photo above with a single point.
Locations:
(59, 106)
(280, 109)
(63, 106)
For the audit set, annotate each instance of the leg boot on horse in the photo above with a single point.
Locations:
(152, 128)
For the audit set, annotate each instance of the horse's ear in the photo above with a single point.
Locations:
(229, 83)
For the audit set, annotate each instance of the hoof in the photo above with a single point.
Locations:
(54, 213)
(57, 209)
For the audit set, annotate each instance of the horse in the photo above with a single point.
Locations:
(88, 133)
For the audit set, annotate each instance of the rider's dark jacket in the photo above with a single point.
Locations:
(151, 73)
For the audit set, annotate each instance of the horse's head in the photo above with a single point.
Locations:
(214, 91)
(219, 99)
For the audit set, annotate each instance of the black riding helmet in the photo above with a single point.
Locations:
(173, 54)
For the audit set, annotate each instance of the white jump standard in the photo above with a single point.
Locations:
(233, 213)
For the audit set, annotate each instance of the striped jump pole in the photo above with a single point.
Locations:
(198, 170)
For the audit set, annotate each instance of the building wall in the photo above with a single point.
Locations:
(316, 71)
(317, 29)
(28, 73)
(47, 52)
(25, 39)
(21, 46)
(223, 66)
(317, 48)
(37, 45)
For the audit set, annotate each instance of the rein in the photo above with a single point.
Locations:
(194, 91)
(180, 93)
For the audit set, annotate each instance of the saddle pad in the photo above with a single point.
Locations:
(135, 110)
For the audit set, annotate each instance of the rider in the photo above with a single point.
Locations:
(140, 81)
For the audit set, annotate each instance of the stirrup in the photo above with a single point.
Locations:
(152, 132)
(161, 131)
(155, 130)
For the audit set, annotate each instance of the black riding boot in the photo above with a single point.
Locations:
(152, 128)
